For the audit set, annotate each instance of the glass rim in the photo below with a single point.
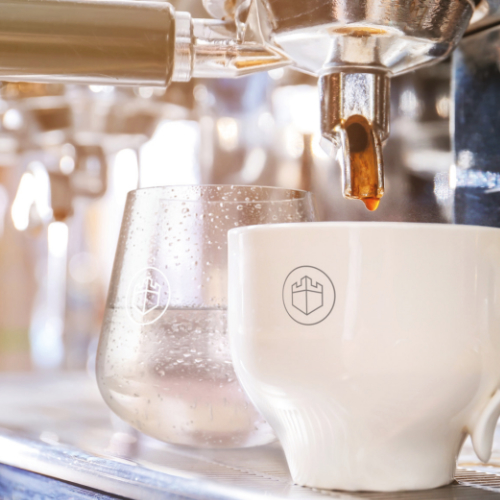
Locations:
(302, 194)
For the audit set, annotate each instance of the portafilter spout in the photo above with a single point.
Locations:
(355, 117)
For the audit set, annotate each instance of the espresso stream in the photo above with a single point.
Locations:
(364, 173)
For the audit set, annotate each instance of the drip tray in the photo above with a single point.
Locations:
(468, 485)
(482, 480)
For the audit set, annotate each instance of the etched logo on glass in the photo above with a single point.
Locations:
(308, 295)
(148, 296)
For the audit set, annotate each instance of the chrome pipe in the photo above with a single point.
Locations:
(106, 42)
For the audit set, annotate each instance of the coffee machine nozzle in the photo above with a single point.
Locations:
(355, 118)
(355, 47)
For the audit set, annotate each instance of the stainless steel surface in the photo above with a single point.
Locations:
(145, 43)
(58, 426)
(210, 49)
(119, 42)
(364, 94)
(475, 176)
(218, 53)
(375, 40)
(184, 41)
(487, 13)
(348, 95)
(322, 36)
(103, 41)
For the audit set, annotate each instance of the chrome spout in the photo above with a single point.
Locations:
(355, 117)
(354, 46)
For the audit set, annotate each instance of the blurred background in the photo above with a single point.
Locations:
(70, 154)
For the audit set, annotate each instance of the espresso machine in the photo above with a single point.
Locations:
(353, 47)
(344, 53)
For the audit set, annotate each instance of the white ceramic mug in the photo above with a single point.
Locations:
(372, 349)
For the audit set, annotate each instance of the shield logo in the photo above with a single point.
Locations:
(147, 296)
(307, 296)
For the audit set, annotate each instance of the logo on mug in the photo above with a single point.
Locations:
(148, 296)
(308, 295)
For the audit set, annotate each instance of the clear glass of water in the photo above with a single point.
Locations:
(163, 362)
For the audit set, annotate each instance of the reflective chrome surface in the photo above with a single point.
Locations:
(103, 41)
(119, 42)
(212, 49)
(358, 38)
(125, 42)
(322, 35)
(355, 115)
(487, 13)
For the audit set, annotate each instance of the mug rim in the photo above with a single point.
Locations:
(360, 225)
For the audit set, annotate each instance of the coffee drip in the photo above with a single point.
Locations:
(355, 109)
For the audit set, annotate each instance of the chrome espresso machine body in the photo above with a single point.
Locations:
(354, 47)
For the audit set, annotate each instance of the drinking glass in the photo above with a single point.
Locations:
(163, 362)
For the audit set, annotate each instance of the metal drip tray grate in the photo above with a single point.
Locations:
(483, 480)
(468, 485)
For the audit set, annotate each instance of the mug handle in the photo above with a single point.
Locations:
(482, 434)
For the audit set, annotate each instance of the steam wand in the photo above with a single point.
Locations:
(121, 42)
